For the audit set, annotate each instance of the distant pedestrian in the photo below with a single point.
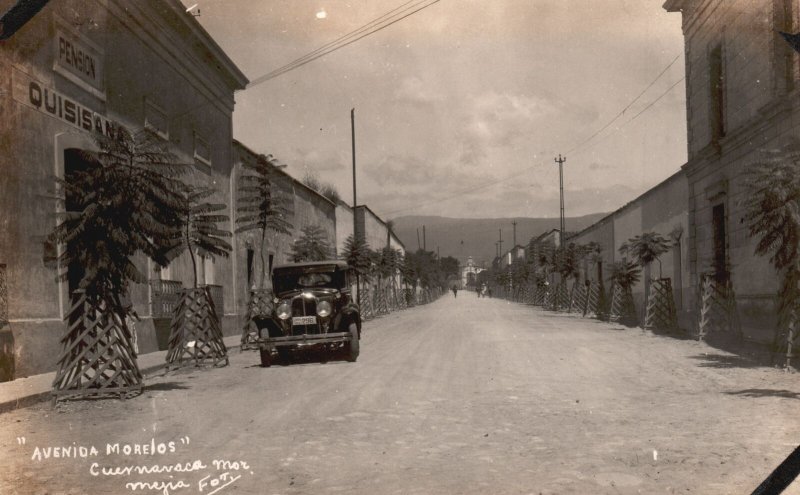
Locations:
(455, 291)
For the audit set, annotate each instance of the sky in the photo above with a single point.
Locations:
(462, 107)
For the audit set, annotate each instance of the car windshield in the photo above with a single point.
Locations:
(285, 280)
(314, 280)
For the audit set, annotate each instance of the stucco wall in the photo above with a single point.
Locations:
(177, 74)
(761, 112)
(662, 209)
(344, 227)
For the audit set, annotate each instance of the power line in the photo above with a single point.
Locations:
(514, 176)
(329, 48)
(320, 52)
(635, 116)
(621, 113)
(345, 37)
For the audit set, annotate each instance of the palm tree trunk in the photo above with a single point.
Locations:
(262, 285)
(191, 253)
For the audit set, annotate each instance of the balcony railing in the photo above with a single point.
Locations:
(164, 296)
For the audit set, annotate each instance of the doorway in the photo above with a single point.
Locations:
(74, 164)
(720, 256)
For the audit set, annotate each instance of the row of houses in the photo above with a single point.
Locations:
(77, 70)
(743, 98)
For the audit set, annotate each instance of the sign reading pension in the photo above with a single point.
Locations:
(39, 96)
(78, 57)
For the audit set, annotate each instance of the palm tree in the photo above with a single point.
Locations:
(200, 232)
(357, 255)
(196, 319)
(772, 205)
(313, 245)
(125, 202)
(644, 249)
(625, 274)
(261, 206)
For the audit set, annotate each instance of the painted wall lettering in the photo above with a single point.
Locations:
(34, 94)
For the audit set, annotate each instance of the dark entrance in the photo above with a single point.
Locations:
(720, 261)
(74, 164)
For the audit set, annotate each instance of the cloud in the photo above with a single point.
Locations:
(498, 119)
(600, 166)
(413, 90)
(319, 161)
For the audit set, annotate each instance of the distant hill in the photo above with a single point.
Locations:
(476, 237)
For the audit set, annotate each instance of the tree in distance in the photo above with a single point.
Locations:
(312, 245)
(261, 205)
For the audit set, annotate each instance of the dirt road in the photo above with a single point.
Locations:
(464, 395)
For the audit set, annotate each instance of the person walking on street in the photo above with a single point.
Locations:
(455, 291)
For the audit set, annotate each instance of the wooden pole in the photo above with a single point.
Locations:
(355, 200)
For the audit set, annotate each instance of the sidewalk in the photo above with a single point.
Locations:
(24, 392)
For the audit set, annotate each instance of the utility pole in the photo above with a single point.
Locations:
(419, 245)
(560, 162)
(355, 203)
(514, 223)
(501, 242)
(424, 240)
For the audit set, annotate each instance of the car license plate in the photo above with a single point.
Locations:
(304, 320)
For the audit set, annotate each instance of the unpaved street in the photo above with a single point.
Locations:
(464, 395)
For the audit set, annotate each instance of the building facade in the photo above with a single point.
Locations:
(469, 273)
(252, 260)
(742, 99)
(662, 210)
(76, 70)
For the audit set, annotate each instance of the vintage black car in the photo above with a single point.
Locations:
(313, 307)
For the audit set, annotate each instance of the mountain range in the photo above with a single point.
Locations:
(477, 237)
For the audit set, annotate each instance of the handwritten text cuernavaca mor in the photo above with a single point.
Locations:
(208, 477)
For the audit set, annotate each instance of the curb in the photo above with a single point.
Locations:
(39, 397)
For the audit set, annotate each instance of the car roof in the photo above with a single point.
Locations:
(341, 265)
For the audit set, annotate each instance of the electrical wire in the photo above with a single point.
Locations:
(374, 26)
(627, 107)
(635, 116)
(516, 175)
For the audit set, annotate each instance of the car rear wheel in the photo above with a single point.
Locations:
(266, 358)
(354, 345)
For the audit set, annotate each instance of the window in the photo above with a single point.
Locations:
(717, 90)
(202, 151)
(155, 118)
(719, 263)
(250, 256)
(208, 270)
(786, 57)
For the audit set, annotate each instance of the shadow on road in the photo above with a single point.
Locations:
(766, 392)
(165, 386)
(729, 361)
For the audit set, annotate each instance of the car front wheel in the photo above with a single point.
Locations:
(354, 345)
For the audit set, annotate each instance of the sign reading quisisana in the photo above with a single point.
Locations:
(38, 96)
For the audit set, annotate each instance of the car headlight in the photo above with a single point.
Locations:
(284, 311)
(323, 308)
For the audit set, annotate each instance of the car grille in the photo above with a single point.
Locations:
(302, 306)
